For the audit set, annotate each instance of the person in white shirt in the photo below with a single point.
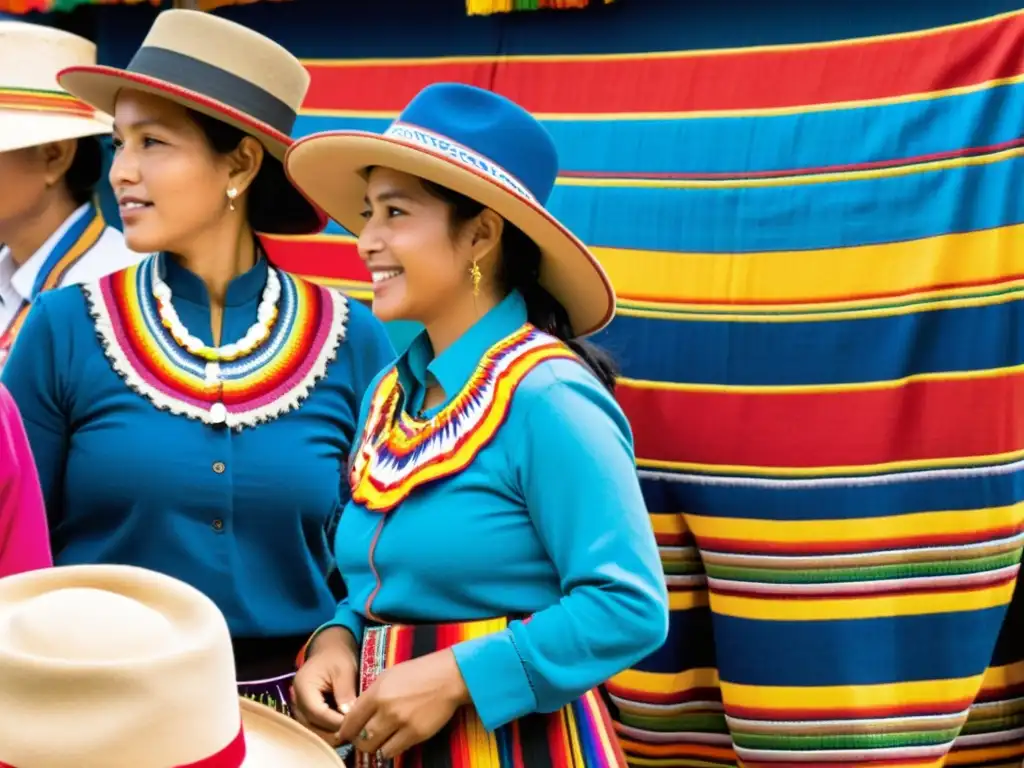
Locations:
(51, 230)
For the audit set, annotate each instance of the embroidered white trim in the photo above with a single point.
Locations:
(442, 146)
(257, 334)
(375, 462)
(289, 400)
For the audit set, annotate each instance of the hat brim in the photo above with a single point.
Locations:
(19, 130)
(98, 87)
(329, 168)
(275, 741)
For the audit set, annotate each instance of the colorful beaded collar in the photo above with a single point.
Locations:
(398, 452)
(251, 389)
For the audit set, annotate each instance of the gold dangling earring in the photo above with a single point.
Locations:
(476, 277)
(232, 194)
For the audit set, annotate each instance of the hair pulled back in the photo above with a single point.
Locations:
(83, 175)
(520, 271)
(263, 205)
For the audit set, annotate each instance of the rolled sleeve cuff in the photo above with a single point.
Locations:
(495, 678)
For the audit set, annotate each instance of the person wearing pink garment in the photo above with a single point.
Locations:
(24, 540)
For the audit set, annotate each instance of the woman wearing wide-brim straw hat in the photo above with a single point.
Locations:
(51, 159)
(122, 667)
(194, 414)
(497, 552)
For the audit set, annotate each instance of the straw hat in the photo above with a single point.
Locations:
(221, 69)
(33, 108)
(479, 144)
(107, 666)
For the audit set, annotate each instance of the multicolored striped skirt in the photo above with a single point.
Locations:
(579, 735)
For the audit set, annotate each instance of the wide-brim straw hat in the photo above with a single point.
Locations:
(108, 666)
(33, 108)
(223, 70)
(481, 145)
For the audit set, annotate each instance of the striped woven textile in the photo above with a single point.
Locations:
(59, 6)
(580, 735)
(819, 253)
(473, 7)
(487, 7)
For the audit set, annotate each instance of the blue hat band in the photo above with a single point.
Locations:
(444, 147)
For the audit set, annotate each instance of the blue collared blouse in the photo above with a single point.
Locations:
(548, 520)
(241, 515)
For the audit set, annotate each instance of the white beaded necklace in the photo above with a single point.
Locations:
(259, 332)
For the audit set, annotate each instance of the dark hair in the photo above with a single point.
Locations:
(85, 170)
(520, 270)
(264, 205)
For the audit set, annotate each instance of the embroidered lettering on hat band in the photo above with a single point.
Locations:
(444, 147)
(53, 102)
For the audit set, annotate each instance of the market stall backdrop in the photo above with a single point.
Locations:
(819, 253)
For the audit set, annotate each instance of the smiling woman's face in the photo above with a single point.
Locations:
(420, 267)
(170, 184)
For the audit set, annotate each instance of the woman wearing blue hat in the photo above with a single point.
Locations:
(497, 552)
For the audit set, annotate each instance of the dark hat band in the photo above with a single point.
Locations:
(214, 83)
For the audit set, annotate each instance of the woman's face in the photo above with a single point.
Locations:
(420, 268)
(28, 179)
(171, 185)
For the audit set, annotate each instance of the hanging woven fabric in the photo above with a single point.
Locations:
(49, 6)
(488, 7)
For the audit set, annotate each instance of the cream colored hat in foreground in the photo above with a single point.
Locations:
(120, 667)
(34, 109)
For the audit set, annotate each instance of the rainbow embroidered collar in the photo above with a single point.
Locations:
(398, 453)
(418, 366)
(274, 379)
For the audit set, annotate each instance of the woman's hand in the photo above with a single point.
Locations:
(406, 705)
(332, 663)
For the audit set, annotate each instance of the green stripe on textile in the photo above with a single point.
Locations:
(844, 740)
(866, 573)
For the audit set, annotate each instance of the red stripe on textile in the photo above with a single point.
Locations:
(336, 260)
(919, 421)
(767, 78)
